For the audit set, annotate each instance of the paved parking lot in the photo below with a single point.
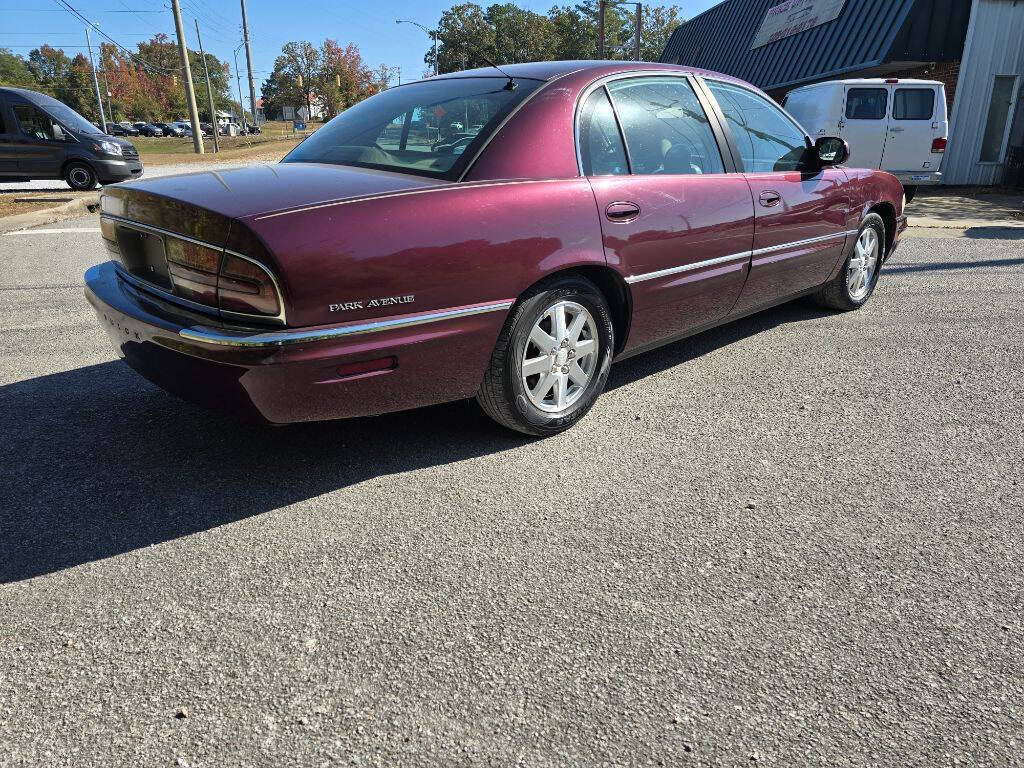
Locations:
(795, 540)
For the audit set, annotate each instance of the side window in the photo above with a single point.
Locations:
(4, 128)
(913, 104)
(767, 139)
(665, 126)
(601, 150)
(34, 122)
(866, 103)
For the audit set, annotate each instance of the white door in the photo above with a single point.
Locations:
(865, 123)
(914, 122)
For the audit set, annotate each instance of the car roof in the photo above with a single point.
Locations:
(549, 70)
(870, 81)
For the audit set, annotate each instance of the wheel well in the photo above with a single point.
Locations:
(888, 214)
(615, 292)
(70, 160)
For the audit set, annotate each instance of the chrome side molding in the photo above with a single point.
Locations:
(300, 336)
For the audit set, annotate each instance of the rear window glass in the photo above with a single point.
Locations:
(866, 103)
(601, 150)
(913, 104)
(431, 128)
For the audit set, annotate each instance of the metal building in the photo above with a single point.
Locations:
(976, 47)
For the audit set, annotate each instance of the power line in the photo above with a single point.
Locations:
(132, 56)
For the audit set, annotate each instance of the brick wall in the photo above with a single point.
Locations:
(947, 73)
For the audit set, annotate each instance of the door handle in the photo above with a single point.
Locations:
(770, 198)
(622, 212)
(895, 130)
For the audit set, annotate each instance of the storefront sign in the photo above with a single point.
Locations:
(794, 16)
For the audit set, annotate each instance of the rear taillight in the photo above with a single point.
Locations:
(246, 287)
(221, 280)
(939, 146)
(193, 269)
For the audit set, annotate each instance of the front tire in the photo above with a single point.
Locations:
(853, 286)
(80, 176)
(552, 358)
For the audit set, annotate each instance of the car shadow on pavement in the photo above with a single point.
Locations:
(100, 462)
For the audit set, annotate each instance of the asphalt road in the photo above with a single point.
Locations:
(795, 540)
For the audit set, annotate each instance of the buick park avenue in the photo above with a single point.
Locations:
(395, 260)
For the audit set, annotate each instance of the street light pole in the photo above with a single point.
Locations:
(431, 32)
(248, 64)
(209, 89)
(238, 80)
(95, 80)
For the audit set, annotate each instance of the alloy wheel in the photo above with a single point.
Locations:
(560, 357)
(863, 262)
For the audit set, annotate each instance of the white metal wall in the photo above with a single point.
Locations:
(994, 46)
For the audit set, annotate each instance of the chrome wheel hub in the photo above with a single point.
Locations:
(863, 263)
(560, 356)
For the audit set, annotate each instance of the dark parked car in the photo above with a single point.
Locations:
(149, 129)
(352, 279)
(42, 138)
(170, 129)
(116, 129)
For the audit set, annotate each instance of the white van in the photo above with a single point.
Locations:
(899, 126)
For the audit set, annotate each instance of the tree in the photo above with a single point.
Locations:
(574, 34)
(658, 24)
(519, 35)
(464, 39)
(344, 78)
(14, 71)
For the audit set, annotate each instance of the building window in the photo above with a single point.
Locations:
(998, 112)
(866, 103)
(913, 104)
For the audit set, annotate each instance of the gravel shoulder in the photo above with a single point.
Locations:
(793, 540)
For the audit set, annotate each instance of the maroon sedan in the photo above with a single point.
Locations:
(395, 259)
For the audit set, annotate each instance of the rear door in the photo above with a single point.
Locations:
(865, 123)
(673, 221)
(800, 211)
(915, 121)
(40, 144)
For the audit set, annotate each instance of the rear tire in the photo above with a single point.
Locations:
(552, 358)
(910, 192)
(80, 176)
(856, 281)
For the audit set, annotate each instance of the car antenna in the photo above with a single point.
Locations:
(511, 85)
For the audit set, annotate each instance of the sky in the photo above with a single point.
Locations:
(27, 24)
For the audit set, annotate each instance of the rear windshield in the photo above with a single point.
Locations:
(431, 128)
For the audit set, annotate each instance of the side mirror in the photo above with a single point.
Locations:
(831, 150)
(58, 133)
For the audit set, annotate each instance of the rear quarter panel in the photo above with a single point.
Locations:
(445, 247)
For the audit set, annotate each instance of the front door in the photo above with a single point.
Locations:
(41, 143)
(800, 211)
(673, 221)
(865, 123)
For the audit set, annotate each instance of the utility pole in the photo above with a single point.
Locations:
(639, 23)
(209, 89)
(190, 94)
(600, 28)
(95, 80)
(238, 82)
(248, 64)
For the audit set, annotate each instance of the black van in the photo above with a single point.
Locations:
(41, 138)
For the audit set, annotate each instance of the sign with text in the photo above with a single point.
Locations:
(794, 16)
